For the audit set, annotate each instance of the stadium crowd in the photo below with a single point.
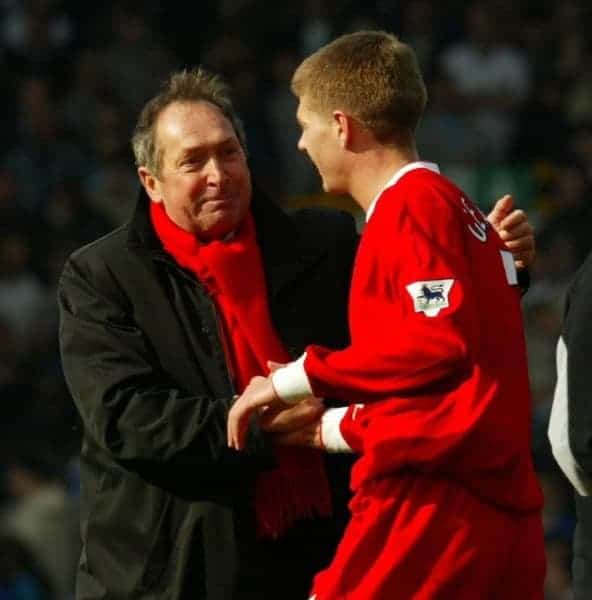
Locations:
(510, 111)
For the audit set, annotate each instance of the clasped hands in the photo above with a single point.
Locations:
(289, 424)
(299, 424)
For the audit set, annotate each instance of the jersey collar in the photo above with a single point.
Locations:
(419, 164)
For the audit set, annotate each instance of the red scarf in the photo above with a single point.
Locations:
(232, 273)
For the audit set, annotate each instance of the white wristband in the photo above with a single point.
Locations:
(333, 441)
(291, 382)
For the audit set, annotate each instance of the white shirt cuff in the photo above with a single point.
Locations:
(291, 382)
(331, 436)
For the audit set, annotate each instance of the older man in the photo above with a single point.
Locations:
(163, 321)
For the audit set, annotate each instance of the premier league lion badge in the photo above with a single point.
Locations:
(430, 297)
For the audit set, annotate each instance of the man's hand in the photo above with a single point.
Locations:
(308, 436)
(257, 395)
(514, 229)
(290, 419)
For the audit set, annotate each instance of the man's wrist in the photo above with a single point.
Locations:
(290, 383)
(330, 430)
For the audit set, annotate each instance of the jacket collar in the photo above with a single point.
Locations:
(286, 252)
(141, 235)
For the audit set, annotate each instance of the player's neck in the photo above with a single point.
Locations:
(374, 169)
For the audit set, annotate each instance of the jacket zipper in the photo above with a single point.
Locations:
(228, 369)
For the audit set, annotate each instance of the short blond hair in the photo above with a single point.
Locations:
(196, 85)
(370, 74)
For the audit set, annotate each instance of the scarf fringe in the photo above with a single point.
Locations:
(280, 497)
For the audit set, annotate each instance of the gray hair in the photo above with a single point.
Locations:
(196, 85)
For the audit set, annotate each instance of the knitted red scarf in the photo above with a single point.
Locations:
(232, 273)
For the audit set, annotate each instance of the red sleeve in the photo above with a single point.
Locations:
(447, 391)
(412, 316)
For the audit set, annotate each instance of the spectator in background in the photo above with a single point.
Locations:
(418, 20)
(540, 125)
(42, 516)
(37, 35)
(67, 214)
(444, 133)
(297, 176)
(89, 89)
(490, 80)
(135, 61)
(316, 28)
(569, 220)
(111, 182)
(21, 578)
(22, 296)
(13, 215)
(42, 156)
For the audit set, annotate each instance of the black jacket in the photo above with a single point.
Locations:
(570, 426)
(166, 506)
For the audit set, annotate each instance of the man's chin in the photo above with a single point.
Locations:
(218, 228)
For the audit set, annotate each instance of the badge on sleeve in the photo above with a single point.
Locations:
(430, 297)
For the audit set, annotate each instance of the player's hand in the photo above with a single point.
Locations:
(308, 436)
(274, 420)
(257, 395)
(514, 229)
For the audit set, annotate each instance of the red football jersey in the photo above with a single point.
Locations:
(437, 348)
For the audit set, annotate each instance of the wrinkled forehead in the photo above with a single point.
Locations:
(191, 125)
(199, 117)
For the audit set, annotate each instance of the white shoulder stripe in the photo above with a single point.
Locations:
(559, 428)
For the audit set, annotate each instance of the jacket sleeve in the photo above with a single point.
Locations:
(129, 406)
(401, 349)
(570, 425)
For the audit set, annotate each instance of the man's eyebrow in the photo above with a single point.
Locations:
(196, 148)
(192, 150)
(189, 153)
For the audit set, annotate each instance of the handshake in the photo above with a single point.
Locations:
(290, 424)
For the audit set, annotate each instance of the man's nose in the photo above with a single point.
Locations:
(215, 170)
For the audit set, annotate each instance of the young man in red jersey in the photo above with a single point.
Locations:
(447, 505)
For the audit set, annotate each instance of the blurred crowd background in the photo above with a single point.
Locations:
(510, 110)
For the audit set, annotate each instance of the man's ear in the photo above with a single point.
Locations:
(343, 124)
(151, 184)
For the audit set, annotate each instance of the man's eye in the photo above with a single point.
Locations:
(191, 163)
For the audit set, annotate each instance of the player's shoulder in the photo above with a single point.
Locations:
(427, 194)
(429, 181)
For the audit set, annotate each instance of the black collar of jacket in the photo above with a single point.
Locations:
(285, 250)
